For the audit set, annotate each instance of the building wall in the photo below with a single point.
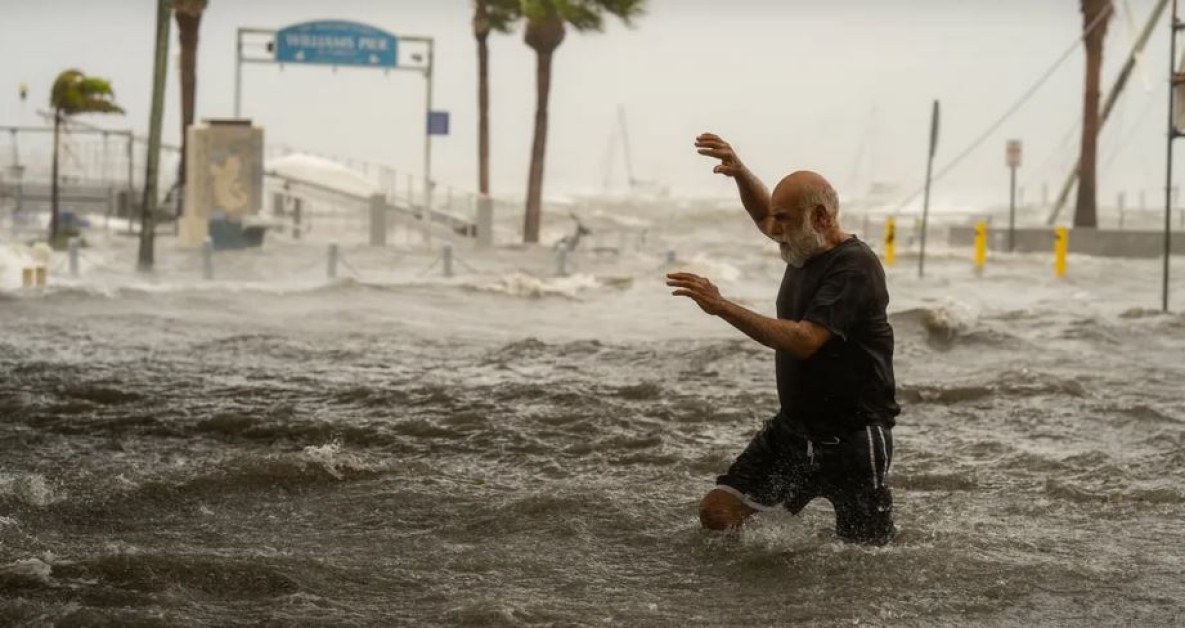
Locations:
(1102, 243)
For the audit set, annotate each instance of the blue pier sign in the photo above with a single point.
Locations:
(437, 123)
(337, 43)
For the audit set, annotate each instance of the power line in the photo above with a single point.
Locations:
(1013, 109)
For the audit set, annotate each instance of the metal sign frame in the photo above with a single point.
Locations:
(426, 70)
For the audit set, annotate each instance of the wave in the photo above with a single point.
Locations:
(27, 489)
(533, 348)
(1021, 383)
(520, 284)
(934, 482)
(1061, 489)
(215, 577)
(947, 326)
(27, 573)
(1145, 413)
(503, 614)
(320, 465)
(702, 264)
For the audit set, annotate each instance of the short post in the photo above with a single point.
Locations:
(446, 257)
(378, 220)
(485, 221)
(208, 259)
(561, 260)
(41, 275)
(297, 208)
(27, 277)
(72, 247)
(890, 240)
(125, 207)
(1121, 211)
(981, 236)
(1061, 244)
(671, 258)
(332, 268)
(112, 208)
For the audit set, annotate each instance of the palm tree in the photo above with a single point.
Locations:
(74, 93)
(1095, 15)
(188, 14)
(488, 15)
(547, 22)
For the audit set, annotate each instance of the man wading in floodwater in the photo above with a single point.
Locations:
(834, 360)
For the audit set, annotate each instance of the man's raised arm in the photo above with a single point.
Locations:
(754, 195)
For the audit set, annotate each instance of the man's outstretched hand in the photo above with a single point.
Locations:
(699, 289)
(712, 145)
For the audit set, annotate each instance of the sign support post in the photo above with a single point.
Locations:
(926, 201)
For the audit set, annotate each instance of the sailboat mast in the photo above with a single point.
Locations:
(625, 141)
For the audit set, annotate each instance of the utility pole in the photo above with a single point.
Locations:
(160, 73)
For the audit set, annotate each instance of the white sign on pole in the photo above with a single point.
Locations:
(1013, 153)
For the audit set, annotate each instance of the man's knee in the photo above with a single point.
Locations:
(721, 510)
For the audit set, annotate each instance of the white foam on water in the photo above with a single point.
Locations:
(952, 316)
(332, 459)
(30, 489)
(523, 285)
(28, 569)
(714, 269)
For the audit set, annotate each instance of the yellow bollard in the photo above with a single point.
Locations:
(980, 246)
(1061, 244)
(890, 241)
(40, 274)
(27, 277)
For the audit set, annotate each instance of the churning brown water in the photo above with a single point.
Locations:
(501, 450)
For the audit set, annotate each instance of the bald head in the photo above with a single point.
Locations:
(805, 192)
(804, 216)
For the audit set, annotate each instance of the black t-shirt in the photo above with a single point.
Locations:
(848, 383)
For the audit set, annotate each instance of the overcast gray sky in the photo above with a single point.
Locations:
(843, 87)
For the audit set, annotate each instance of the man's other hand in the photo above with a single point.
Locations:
(699, 289)
(712, 145)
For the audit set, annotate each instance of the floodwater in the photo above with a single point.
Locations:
(506, 448)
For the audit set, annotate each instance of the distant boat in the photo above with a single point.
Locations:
(637, 189)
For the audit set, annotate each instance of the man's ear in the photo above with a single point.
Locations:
(821, 219)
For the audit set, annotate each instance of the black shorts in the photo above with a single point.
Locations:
(781, 468)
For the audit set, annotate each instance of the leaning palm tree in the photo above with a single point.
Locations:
(547, 22)
(488, 15)
(188, 14)
(74, 93)
(1095, 15)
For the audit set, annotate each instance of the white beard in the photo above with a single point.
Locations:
(799, 248)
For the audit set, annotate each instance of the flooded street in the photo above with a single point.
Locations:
(511, 449)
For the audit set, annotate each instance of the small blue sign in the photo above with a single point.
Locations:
(337, 43)
(437, 123)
